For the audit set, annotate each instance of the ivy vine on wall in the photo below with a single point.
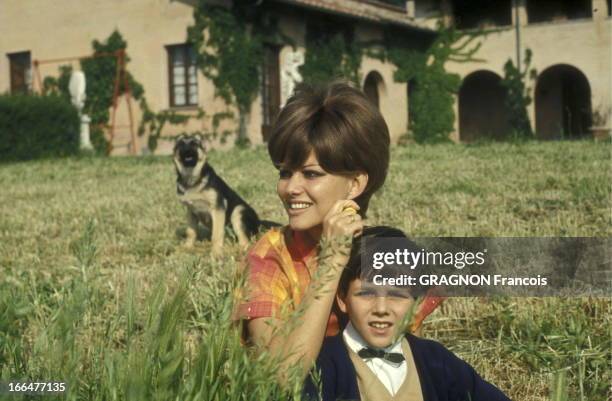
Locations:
(229, 43)
(331, 53)
(100, 74)
(434, 90)
(517, 96)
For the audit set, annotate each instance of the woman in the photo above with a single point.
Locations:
(331, 148)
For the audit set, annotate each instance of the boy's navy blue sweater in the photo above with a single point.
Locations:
(443, 376)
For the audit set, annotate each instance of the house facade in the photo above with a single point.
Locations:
(38, 37)
(571, 45)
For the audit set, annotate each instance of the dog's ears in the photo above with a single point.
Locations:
(200, 139)
(177, 140)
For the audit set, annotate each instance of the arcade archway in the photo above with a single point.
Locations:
(562, 103)
(482, 111)
(373, 86)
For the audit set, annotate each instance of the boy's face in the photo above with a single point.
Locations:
(377, 312)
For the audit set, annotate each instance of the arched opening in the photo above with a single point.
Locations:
(482, 110)
(562, 103)
(372, 87)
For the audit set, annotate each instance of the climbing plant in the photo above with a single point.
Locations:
(517, 95)
(432, 98)
(229, 43)
(153, 124)
(100, 73)
(331, 53)
(58, 86)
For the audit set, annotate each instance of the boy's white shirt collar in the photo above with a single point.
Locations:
(390, 374)
(354, 340)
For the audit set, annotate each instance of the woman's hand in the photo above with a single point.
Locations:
(340, 225)
(342, 221)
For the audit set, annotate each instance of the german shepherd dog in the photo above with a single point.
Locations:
(208, 198)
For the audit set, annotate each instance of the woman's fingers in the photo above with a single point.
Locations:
(343, 220)
(342, 223)
(355, 226)
(342, 205)
(364, 222)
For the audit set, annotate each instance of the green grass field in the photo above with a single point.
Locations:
(96, 290)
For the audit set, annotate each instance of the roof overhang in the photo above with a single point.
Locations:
(366, 10)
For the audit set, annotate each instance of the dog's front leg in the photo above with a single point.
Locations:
(192, 229)
(218, 230)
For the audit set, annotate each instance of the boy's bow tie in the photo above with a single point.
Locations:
(369, 353)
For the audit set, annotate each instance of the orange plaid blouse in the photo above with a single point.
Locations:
(278, 273)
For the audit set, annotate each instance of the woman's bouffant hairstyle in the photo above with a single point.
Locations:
(344, 129)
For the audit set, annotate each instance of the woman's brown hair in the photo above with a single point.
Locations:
(341, 126)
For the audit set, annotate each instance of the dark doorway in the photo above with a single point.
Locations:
(270, 89)
(482, 110)
(371, 87)
(562, 103)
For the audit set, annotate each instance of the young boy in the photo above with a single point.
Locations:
(373, 359)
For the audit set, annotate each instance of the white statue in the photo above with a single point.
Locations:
(290, 75)
(77, 95)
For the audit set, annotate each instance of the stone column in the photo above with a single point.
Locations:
(600, 10)
(446, 7)
(410, 8)
(519, 9)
